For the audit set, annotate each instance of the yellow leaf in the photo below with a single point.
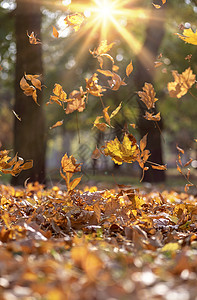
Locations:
(170, 247)
(125, 152)
(69, 164)
(114, 113)
(188, 36)
(74, 20)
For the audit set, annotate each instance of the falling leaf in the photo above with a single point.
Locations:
(100, 126)
(103, 48)
(28, 90)
(129, 69)
(188, 36)
(133, 126)
(60, 96)
(55, 32)
(69, 164)
(188, 57)
(115, 68)
(143, 143)
(17, 116)
(156, 5)
(125, 152)
(114, 113)
(93, 87)
(74, 20)
(1, 68)
(57, 124)
(182, 83)
(151, 117)
(148, 95)
(159, 167)
(96, 153)
(158, 64)
(106, 115)
(180, 149)
(33, 39)
(76, 101)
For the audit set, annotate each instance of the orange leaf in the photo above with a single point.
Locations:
(129, 69)
(106, 115)
(33, 39)
(150, 117)
(143, 143)
(74, 183)
(159, 167)
(55, 32)
(57, 124)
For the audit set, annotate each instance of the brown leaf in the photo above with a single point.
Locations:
(96, 153)
(151, 117)
(148, 95)
(182, 83)
(143, 143)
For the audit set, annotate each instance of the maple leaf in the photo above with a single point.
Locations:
(188, 36)
(69, 164)
(125, 152)
(182, 82)
(93, 87)
(33, 39)
(148, 95)
(129, 69)
(74, 20)
(55, 32)
(76, 101)
(151, 117)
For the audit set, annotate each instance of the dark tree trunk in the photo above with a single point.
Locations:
(29, 134)
(145, 73)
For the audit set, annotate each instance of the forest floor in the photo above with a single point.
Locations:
(122, 243)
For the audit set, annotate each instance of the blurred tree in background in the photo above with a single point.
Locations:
(67, 61)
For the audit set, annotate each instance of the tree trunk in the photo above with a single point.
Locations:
(145, 73)
(29, 134)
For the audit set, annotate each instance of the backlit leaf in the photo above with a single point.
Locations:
(74, 20)
(55, 32)
(188, 36)
(129, 69)
(148, 95)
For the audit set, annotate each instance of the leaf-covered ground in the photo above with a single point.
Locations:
(96, 245)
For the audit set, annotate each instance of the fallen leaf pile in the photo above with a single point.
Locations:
(90, 244)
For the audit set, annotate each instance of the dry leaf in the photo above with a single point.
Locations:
(188, 36)
(55, 32)
(33, 39)
(125, 152)
(100, 126)
(57, 124)
(17, 116)
(114, 113)
(74, 20)
(151, 117)
(159, 167)
(96, 153)
(182, 83)
(129, 69)
(148, 95)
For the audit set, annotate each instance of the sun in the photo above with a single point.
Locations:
(105, 9)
